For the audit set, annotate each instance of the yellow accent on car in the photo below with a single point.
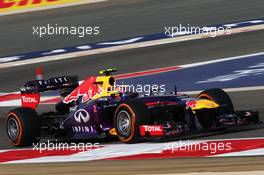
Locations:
(204, 103)
(107, 86)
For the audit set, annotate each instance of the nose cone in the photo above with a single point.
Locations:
(201, 104)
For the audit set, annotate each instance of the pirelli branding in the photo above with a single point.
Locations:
(16, 5)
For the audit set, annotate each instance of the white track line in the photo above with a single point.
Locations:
(220, 60)
(51, 7)
(125, 47)
(178, 67)
(253, 88)
(109, 151)
(120, 150)
(253, 152)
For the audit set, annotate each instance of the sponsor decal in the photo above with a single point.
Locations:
(152, 130)
(30, 100)
(83, 129)
(8, 5)
(82, 116)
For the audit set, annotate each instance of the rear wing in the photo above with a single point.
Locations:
(30, 91)
(37, 86)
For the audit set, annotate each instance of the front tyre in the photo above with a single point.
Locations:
(23, 126)
(220, 97)
(128, 117)
(207, 118)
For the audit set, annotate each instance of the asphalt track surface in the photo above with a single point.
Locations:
(122, 19)
(139, 59)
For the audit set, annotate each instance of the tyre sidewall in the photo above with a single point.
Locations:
(139, 115)
(220, 97)
(29, 126)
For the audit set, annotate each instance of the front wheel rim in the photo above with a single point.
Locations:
(124, 123)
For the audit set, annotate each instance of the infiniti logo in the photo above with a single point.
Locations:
(81, 115)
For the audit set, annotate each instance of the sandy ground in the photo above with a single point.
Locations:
(157, 166)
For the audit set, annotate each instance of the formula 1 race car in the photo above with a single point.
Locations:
(96, 109)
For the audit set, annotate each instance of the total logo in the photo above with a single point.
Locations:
(153, 130)
(29, 99)
(81, 116)
(20, 3)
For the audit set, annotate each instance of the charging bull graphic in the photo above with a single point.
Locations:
(87, 90)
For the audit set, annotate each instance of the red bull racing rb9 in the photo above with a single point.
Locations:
(95, 109)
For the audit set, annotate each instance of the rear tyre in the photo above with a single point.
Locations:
(128, 117)
(207, 118)
(23, 126)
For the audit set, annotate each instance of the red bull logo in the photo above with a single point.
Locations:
(87, 90)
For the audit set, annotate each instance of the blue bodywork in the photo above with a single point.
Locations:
(101, 114)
